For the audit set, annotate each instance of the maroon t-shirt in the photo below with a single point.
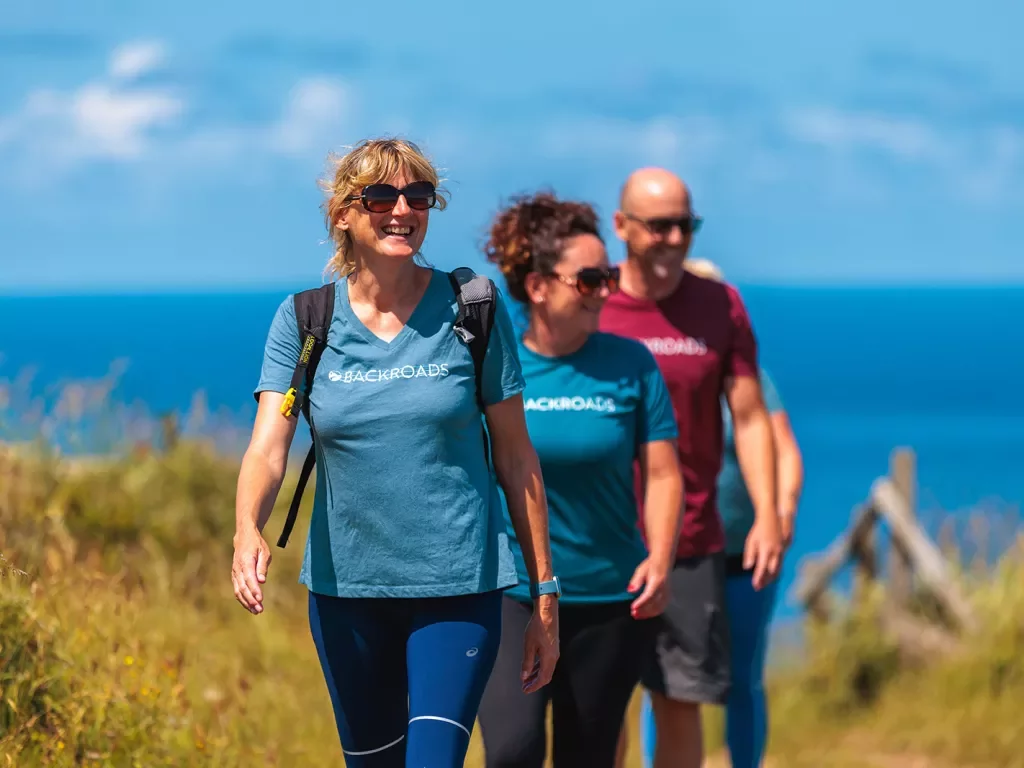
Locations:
(699, 335)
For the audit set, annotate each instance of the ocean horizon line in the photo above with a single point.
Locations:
(290, 286)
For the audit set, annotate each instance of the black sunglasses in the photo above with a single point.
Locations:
(381, 198)
(590, 280)
(662, 226)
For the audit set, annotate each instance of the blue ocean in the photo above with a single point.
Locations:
(862, 371)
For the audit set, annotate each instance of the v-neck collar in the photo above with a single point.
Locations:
(372, 338)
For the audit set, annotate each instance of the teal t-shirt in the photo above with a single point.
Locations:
(405, 504)
(587, 414)
(734, 504)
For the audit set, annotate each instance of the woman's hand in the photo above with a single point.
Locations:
(259, 480)
(653, 578)
(540, 651)
(249, 568)
(659, 461)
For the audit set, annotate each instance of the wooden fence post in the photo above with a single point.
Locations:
(865, 553)
(903, 473)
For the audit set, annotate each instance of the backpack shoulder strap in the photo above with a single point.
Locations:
(314, 309)
(476, 295)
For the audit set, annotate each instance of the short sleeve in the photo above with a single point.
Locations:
(281, 352)
(502, 371)
(657, 419)
(743, 350)
(772, 400)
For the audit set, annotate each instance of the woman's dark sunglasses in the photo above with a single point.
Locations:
(382, 198)
(590, 280)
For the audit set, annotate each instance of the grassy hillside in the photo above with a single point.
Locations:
(121, 643)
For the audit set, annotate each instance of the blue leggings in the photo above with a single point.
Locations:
(746, 712)
(406, 676)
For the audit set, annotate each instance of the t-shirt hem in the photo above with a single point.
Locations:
(453, 589)
(665, 435)
(270, 386)
(506, 394)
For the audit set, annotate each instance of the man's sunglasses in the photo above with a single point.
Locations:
(382, 198)
(662, 226)
(590, 280)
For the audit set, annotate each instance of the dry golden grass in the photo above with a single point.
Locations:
(121, 643)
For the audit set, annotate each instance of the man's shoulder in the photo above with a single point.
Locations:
(706, 288)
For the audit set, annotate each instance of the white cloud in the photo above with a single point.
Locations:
(114, 123)
(316, 110)
(980, 164)
(907, 138)
(102, 119)
(690, 141)
(115, 118)
(827, 145)
(136, 59)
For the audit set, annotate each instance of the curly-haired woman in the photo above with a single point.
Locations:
(595, 403)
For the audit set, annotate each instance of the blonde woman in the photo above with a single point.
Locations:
(407, 555)
(748, 609)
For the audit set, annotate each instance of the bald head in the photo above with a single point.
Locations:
(652, 192)
(656, 223)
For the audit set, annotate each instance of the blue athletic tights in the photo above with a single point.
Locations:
(746, 712)
(406, 676)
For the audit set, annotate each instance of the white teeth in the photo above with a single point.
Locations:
(398, 230)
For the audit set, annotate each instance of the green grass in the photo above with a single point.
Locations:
(121, 643)
(121, 640)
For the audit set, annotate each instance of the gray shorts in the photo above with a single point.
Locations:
(690, 661)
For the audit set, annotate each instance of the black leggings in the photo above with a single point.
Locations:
(602, 650)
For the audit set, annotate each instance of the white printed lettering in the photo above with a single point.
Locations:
(378, 375)
(670, 347)
(577, 403)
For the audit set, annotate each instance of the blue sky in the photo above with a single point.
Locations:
(177, 146)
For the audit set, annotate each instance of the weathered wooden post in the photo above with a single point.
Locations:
(864, 550)
(903, 473)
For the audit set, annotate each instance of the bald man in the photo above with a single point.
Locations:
(699, 332)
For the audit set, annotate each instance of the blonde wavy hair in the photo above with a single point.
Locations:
(371, 161)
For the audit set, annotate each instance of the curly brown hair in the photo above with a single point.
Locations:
(528, 236)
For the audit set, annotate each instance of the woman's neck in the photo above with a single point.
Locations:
(542, 338)
(387, 284)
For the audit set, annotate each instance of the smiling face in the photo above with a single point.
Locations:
(395, 233)
(558, 295)
(655, 221)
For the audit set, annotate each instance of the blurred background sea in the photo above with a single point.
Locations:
(861, 371)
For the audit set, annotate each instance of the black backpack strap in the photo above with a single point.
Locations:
(476, 295)
(293, 508)
(314, 310)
